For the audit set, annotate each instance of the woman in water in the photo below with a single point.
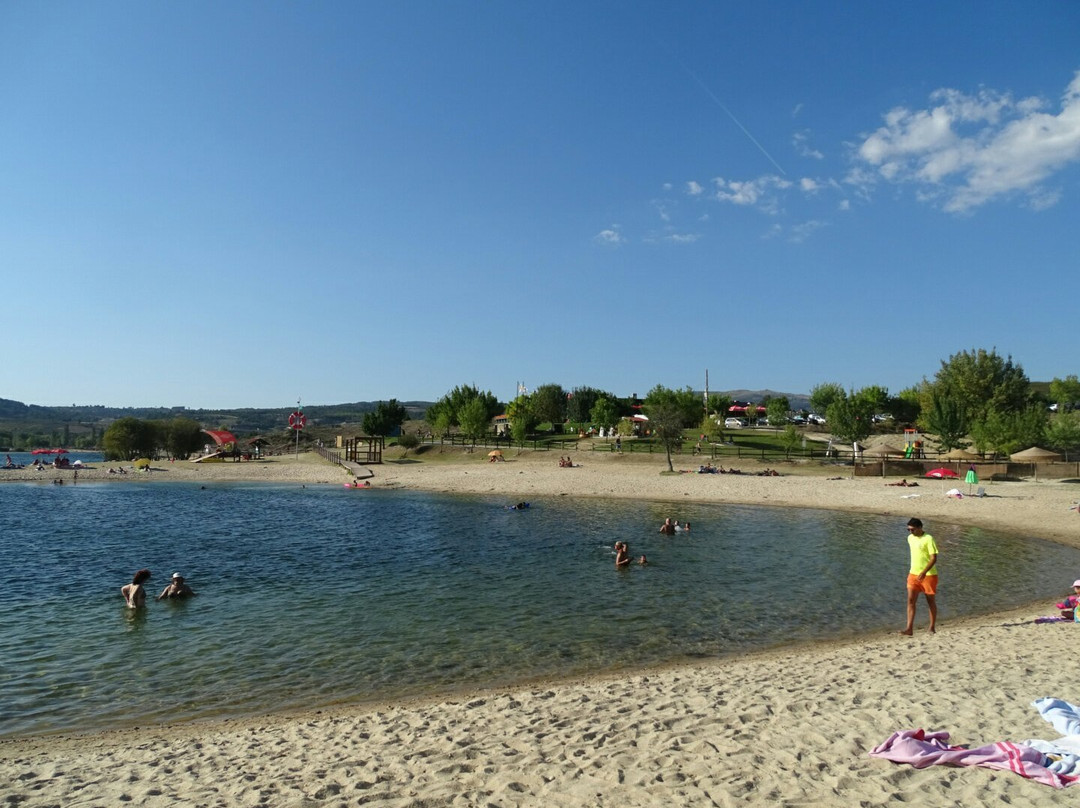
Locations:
(134, 594)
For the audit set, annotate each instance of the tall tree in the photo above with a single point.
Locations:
(580, 401)
(1065, 392)
(605, 412)
(522, 419)
(474, 420)
(850, 417)
(454, 401)
(129, 438)
(549, 404)
(666, 413)
(823, 396)
(387, 416)
(181, 437)
(946, 418)
(1064, 432)
(776, 410)
(979, 382)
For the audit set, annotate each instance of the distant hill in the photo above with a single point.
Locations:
(798, 401)
(20, 416)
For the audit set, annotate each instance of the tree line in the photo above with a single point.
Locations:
(976, 399)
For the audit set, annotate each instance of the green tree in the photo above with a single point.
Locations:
(1063, 432)
(823, 396)
(850, 417)
(454, 401)
(718, 405)
(666, 422)
(605, 412)
(686, 401)
(979, 382)
(776, 410)
(474, 419)
(408, 440)
(549, 404)
(1065, 392)
(129, 438)
(442, 421)
(580, 402)
(790, 439)
(387, 416)
(946, 419)
(182, 437)
(522, 418)
(905, 406)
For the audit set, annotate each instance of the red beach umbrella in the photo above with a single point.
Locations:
(941, 473)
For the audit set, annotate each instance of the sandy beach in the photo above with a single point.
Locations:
(788, 727)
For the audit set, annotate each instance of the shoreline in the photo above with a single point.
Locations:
(787, 725)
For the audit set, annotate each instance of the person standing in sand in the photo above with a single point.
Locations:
(134, 594)
(922, 574)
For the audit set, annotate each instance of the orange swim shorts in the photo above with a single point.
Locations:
(928, 585)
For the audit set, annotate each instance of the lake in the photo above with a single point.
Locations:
(321, 595)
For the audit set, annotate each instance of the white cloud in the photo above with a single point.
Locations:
(760, 193)
(800, 140)
(682, 238)
(809, 185)
(965, 150)
(801, 232)
(845, 204)
(611, 237)
(694, 188)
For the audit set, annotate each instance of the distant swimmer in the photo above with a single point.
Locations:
(177, 588)
(134, 594)
(668, 529)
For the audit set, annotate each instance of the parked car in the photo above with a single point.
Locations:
(816, 419)
(734, 423)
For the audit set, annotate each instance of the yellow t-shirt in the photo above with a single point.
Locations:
(922, 547)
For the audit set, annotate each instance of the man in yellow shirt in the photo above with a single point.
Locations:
(922, 574)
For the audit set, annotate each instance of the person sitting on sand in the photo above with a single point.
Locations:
(176, 588)
(1068, 606)
(134, 594)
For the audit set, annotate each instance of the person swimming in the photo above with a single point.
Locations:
(134, 594)
(176, 588)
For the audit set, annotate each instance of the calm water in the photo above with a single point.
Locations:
(309, 596)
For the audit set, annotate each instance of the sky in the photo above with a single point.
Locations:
(250, 204)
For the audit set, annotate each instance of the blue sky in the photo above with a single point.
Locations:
(243, 204)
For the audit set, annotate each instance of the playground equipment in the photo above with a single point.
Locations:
(912, 445)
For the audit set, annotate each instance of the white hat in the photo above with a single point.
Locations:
(177, 575)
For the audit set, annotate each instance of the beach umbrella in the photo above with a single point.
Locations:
(941, 473)
(1034, 456)
(971, 478)
(495, 453)
(959, 454)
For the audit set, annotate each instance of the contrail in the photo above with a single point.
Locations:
(720, 104)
